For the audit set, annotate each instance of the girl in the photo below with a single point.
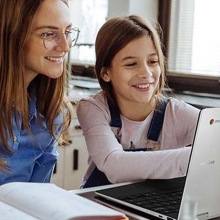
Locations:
(133, 132)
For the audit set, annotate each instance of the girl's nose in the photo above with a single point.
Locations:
(145, 71)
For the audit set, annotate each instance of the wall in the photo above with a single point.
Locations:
(145, 8)
(89, 15)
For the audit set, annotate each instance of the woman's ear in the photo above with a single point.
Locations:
(105, 75)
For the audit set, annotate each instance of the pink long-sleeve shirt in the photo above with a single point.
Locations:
(169, 157)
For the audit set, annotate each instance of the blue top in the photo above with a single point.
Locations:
(33, 155)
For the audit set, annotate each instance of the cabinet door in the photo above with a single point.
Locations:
(75, 164)
(72, 161)
(58, 177)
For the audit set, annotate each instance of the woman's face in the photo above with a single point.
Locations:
(52, 15)
(135, 72)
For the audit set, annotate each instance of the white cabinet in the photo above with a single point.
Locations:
(72, 162)
(57, 177)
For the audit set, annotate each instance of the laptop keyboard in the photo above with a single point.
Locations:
(162, 202)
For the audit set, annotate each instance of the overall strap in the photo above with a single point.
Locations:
(156, 122)
(97, 177)
(115, 115)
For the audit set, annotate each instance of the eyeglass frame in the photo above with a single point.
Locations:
(59, 31)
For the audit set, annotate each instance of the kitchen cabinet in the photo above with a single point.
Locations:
(72, 162)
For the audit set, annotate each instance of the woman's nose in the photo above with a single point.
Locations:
(63, 44)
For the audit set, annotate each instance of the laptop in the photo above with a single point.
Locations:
(195, 196)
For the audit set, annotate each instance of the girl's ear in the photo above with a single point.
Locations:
(105, 75)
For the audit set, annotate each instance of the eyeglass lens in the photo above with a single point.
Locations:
(71, 38)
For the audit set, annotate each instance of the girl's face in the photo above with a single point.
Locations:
(53, 15)
(135, 72)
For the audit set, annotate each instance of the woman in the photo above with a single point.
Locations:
(35, 37)
(121, 118)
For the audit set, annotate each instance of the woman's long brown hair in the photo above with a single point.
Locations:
(16, 23)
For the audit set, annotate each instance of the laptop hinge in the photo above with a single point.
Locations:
(203, 216)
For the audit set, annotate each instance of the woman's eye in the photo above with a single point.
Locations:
(68, 32)
(48, 35)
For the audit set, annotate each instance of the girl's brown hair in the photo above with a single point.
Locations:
(16, 23)
(114, 35)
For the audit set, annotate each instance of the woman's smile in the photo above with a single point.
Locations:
(55, 59)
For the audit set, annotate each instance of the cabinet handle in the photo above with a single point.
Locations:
(55, 168)
(78, 127)
(75, 159)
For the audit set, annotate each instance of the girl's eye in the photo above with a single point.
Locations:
(48, 35)
(130, 64)
(154, 62)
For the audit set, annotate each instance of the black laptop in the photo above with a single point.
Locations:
(196, 196)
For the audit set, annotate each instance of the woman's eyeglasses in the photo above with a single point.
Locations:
(52, 38)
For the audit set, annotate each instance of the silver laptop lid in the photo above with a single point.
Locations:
(201, 191)
(201, 196)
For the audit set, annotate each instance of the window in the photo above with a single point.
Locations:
(192, 41)
(88, 16)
